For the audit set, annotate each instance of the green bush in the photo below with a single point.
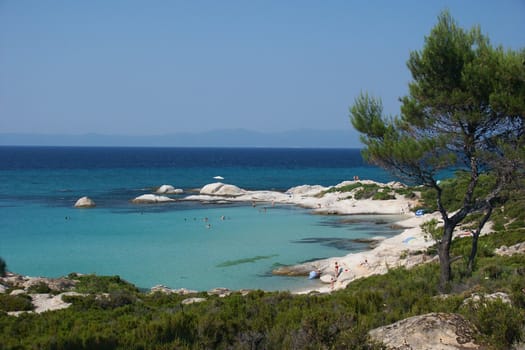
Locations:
(500, 323)
(347, 188)
(383, 195)
(21, 302)
(40, 287)
(102, 284)
(366, 191)
(492, 271)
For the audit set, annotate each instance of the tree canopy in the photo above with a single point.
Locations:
(465, 109)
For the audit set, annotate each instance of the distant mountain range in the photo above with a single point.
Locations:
(303, 138)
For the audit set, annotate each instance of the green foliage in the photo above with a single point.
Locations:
(21, 302)
(408, 192)
(372, 191)
(431, 229)
(497, 321)
(383, 195)
(454, 189)
(102, 284)
(346, 188)
(364, 191)
(39, 288)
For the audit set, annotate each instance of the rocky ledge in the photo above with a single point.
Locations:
(431, 331)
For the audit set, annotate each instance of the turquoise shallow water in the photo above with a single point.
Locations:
(42, 234)
(159, 245)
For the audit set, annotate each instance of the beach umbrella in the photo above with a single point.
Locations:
(408, 240)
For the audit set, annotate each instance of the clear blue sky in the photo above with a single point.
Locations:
(157, 67)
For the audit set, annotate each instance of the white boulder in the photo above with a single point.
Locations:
(220, 291)
(85, 202)
(476, 298)
(430, 331)
(151, 198)
(189, 301)
(220, 189)
(514, 249)
(306, 190)
(17, 292)
(166, 290)
(168, 189)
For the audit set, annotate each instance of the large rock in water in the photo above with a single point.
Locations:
(220, 189)
(85, 202)
(431, 331)
(151, 198)
(168, 189)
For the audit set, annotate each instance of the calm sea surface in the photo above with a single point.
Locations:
(42, 234)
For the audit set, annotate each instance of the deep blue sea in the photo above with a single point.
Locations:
(42, 234)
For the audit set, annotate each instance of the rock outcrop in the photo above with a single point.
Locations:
(42, 301)
(151, 199)
(221, 292)
(85, 202)
(166, 290)
(477, 299)
(431, 331)
(306, 190)
(220, 189)
(49, 302)
(55, 284)
(192, 301)
(168, 189)
(25, 283)
(514, 249)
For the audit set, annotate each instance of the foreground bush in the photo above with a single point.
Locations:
(20, 302)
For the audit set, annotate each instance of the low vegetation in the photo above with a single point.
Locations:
(364, 191)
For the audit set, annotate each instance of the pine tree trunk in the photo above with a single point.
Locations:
(473, 252)
(445, 275)
(475, 238)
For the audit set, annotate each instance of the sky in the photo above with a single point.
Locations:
(161, 67)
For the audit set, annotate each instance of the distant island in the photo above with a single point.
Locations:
(300, 138)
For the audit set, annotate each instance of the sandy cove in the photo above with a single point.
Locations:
(401, 250)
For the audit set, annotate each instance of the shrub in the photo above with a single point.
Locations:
(493, 271)
(20, 302)
(347, 188)
(383, 195)
(499, 322)
(40, 287)
(103, 284)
